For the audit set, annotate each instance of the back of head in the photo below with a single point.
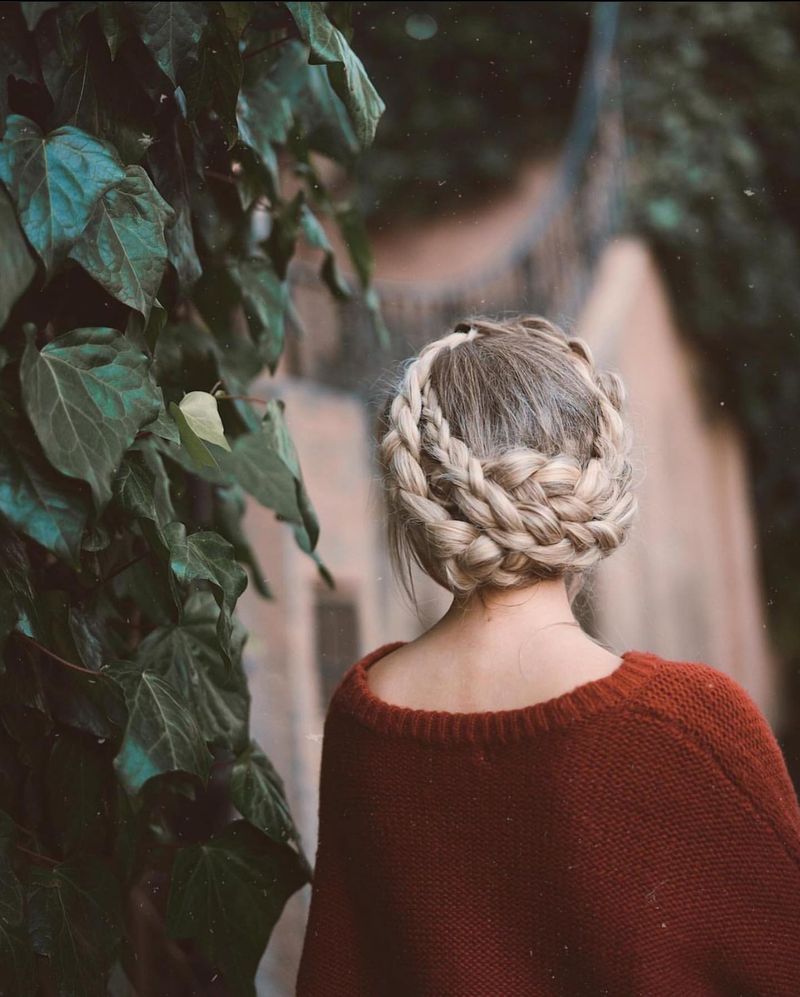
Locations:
(505, 458)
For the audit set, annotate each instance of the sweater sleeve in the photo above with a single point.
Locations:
(739, 828)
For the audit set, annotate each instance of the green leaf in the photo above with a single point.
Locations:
(213, 79)
(318, 112)
(229, 509)
(75, 920)
(33, 11)
(266, 465)
(112, 24)
(188, 656)
(11, 897)
(38, 501)
(346, 71)
(55, 182)
(17, 54)
(161, 735)
(237, 15)
(264, 116)
(142, 488)
(168, 169)
(258, 793)
(61, 41)
(351, 224)
(16, 263)
(201, 411)
(100, 96)
(87, 393)
(265, 297)
(227, 894)
(205, 556)
(17, 598)
(192, 444)
(171, 31)
(75, 778)
(17, 961)
(123, 246)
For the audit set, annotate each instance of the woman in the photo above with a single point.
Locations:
(507, 808)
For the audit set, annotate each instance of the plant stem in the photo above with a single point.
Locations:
(37, 855)
(57, 657)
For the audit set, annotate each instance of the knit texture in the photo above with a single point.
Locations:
(638, 836)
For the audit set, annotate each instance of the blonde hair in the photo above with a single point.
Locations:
(504, 458)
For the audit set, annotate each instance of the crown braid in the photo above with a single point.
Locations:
(502, 520)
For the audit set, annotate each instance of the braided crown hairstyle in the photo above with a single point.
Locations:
(504, 458)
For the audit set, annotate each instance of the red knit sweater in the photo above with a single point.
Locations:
(638, 836)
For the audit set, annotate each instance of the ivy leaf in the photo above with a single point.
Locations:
(87, 393)
(123, 247)
(229, 510)
(266, 465)
(258, 793)
(75, 920)
(265, 297)
(55, 181)
(34, 498)
(161, 735)
(33, 11)
(60, 41)
(320, 114)
(112, 26)
(215, 76)
(187, 655)
(11, 897)
(351, 224)
(16, 263)
(191, 442)
(205, 556)
(227, 894)
(171, 31)
(17, 54)
(17, 961)
(168, 169)
(17, 599)
(142, 489)
(75, 777)
(201, 411)
(346, 72)
(316, 236)
(264, 116)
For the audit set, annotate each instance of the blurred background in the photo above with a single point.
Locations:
(631, 171)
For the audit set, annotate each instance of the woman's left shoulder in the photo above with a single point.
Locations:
(712, 712)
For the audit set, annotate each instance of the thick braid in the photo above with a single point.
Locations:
(490, 521)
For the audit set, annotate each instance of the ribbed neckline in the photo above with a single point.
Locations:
(355, 696)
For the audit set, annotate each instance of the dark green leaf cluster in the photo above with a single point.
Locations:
(145, 243)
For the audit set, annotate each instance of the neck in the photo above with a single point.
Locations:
(541, 612)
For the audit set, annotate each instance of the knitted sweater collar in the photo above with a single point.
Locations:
(354, 696)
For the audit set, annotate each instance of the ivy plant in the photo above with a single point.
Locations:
(145, 238)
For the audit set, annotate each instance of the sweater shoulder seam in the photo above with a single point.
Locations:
(704, 746)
